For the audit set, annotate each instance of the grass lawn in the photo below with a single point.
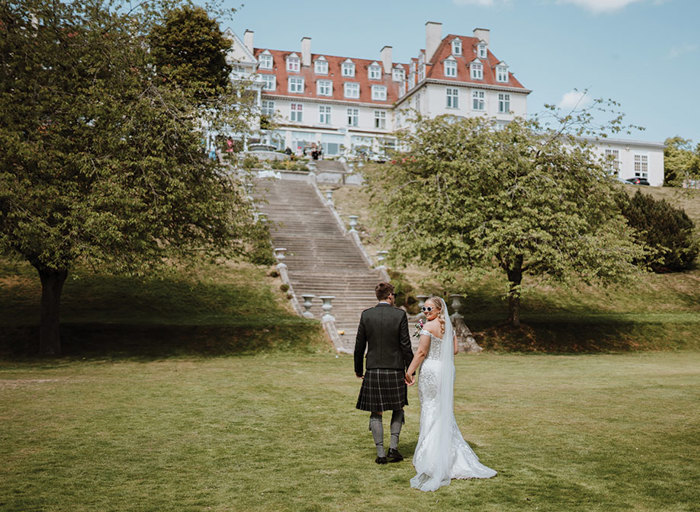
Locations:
(278, 432)
(650, 311)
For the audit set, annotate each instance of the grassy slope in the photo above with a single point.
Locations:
(202, 308)
(651, 312)
(278, 433)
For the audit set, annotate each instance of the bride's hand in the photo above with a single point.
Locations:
(409, 380)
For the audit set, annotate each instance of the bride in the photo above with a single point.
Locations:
(441, 453)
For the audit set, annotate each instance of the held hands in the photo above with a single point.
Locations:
(409, 379)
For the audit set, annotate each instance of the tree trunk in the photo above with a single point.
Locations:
(51, 287)
(515, 276)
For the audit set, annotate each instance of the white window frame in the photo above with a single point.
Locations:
(353, 116)
(380, 119)
(398, 74)
(450, 68)
(375, 72)
(612, 161)
(267, 108)
(402, 89)
(324, 114)
(351, 90)
(295, 85)
(265, 61)
(503, 103)
(379, 92)
(641, 165)
(269, 82)
(296, 114)
(452, 97)
(478, 101)
(456, 46)
(476, 70)
(501, 73)
(321, 66)
(481, 51)
(293, 63)
(348, 69)
(324, 87)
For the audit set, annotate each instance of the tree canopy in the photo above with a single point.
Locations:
(681, 162)
(189, 48)
(469, 194)
(102, 161)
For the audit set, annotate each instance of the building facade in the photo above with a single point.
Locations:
(350, 106)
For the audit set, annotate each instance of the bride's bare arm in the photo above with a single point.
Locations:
(421, 352)
(454, 340)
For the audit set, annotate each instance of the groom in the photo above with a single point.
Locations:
(383, 331)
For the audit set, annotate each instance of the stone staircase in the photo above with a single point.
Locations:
(320, 258)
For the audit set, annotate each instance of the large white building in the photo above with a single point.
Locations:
(348, 105)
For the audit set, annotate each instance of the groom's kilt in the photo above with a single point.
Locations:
(383, 389)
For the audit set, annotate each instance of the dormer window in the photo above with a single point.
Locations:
(481, 50)
(421, 72)
(502, 72)
(378, 92)
(476, 70)
(398, 74)
(293, 63)
(351, 90)
(265, 60)
(456, 47)
(375, 72)
(451, 67)
(321, 66)
(348, 68)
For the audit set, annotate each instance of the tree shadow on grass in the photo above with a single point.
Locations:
(153, 342)
(601, 334)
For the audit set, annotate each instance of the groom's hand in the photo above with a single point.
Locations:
(409, 380)
(359, 376)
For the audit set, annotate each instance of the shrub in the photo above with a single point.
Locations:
(284, 287)
(667, 230)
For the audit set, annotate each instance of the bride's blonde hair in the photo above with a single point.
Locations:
(437, 302)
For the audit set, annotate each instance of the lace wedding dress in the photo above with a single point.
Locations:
(441, 453)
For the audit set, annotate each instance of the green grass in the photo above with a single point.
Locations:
(279, 432)
(650, 311)
(201, 308)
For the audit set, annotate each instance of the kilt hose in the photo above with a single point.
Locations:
(383, 389)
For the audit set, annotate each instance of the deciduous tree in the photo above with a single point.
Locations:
(521, 198)
(102, 161)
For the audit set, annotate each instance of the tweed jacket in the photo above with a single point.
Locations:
(383, 332)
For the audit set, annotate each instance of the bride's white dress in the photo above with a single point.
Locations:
(441, 453)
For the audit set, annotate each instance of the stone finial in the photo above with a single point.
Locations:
(327, 307)
(307, 305)
(353, 222)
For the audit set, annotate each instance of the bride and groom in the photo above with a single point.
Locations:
(441, 453)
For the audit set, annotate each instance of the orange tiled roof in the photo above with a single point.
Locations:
(469, 49)
(279, 69)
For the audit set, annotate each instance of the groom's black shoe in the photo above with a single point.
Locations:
(394, 455)
(380, 460)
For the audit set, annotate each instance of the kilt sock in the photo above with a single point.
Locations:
(396, 422)
(377, 428)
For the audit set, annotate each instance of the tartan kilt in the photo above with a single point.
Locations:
(383, 389)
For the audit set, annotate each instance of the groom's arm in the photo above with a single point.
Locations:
(360, 345)
(405, 342)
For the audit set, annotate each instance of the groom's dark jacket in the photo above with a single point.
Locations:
(383, 331)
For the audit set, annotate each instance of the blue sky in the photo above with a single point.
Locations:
(644, 54)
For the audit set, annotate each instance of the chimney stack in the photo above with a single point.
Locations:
(248, 40)
(305, 51)
(433, 36)
(482, 34)
(386, 58)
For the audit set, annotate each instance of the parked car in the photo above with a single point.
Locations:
(637, 181)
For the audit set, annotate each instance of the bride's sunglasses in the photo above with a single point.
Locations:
(426, 309)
